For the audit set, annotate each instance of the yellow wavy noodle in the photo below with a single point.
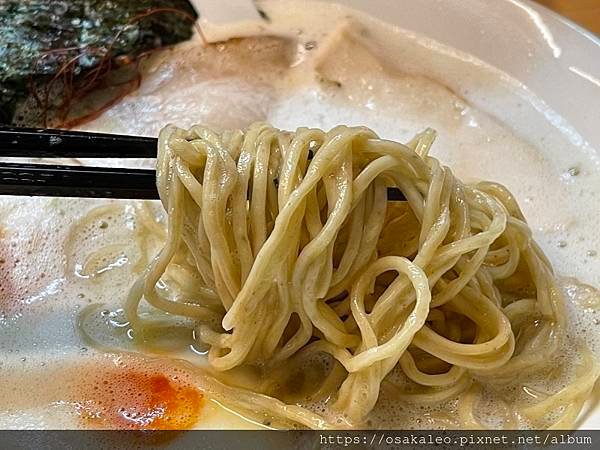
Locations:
(305, 284)
(569, 399)
(86, 258)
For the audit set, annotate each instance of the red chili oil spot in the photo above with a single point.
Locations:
(137, 400)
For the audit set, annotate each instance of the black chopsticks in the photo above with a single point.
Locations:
(77, 181)
(47, 143)
(81, 181)
(74, 181)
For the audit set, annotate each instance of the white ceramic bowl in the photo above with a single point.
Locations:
(556, 59)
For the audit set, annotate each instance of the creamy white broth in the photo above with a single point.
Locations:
(353, 71)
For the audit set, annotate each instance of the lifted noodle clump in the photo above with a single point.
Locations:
(283, 247)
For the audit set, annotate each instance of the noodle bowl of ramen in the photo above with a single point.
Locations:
(277, 284)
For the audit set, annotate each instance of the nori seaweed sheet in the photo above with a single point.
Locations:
(29, 29)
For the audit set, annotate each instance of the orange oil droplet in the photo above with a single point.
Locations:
(129, 399)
